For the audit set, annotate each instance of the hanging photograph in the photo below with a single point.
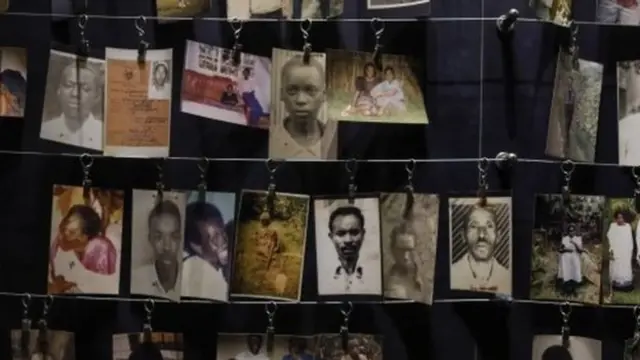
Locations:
(253, 346)
(348, 249)
(132, 129)
(85, 241)
(73, 101)
(549, 347)
(360, 90)
(316, 9)
(208, 232)
(13, 81)
(181, 8)
(620, 285)
(480, 244)
(214, 87)
(161, 345)
(618, 12)
(360, 346)
(566, 256)
(554, 11)
(270, 245)
(574, 113)
(409, 236)
(628, 112)
(60, 345)
(632, 349)
(299, 127)
(157, 230)
(256, 9)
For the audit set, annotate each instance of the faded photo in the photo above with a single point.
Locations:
(182, 7)
(13, 81)
(208, 232)
(253, 346)
(299, 127)
(214, 87)
(555, 11)
(360, 347)
(160, 345)
(621, 266)
(251, 9)
(629, 112)
(409, 237)
(85, 241)
(574, 113)
(348, 249)
(157, 229)
(73, 101)
(625, 12)
(549, 347)
(387, 4)
(566, 258)
(480, 247)
(160, 80)
(270, 245)
(316, 9)
(360, 90)
(57, 345)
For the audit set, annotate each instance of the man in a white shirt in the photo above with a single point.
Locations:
(478, 270)
(162, 277)
(78, 93)
(254, 352)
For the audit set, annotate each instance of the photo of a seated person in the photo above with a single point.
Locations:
(229, 96)
(377, 95)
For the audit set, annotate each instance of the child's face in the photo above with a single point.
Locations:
(388, 75)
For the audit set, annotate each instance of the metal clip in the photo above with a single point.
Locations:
(565, 311)
(567, 168)
(270, 310)
(573, 49)
(160, 182)
(352, 167)
(147, 330)
(346, 310)
(377, 25)
(305, 28)
(506, 22)
(85, 46)
(408, 207)
(272, 167)
(43, 328)
(636, 192)
(86, 161)
(203, 166)
(25, 329)
(143, 45)
(483, 184)
(236, 50)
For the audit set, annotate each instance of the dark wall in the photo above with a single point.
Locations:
(482, 97)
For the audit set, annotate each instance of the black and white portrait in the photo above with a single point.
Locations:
(73, 101)
(159, 346)
(160, 80)
(550, 347)
(388, 4)
(157, 241)
(480, 244)
(348, 246)
(299, 126)
(242, 347)
(409, 236)
(54, 345)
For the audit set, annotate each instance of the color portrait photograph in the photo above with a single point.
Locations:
(258, 9)
(157, 232)
(621, 262)
(299, 126)
(624, 12)
(214, 87)
(549, 347)
(480, 244)
(208, 233)
(60, 345)
(13, 81)
(409, 229)
(182, 8)
(160, 345)
(389, 4)
(555, 11)
(567, 249)
(253, 346)
(574, 113)
(348, 246)
(360, 346)
(85, 241)
(628, 112)
(360, 90)
(74, 101)
(270, 245)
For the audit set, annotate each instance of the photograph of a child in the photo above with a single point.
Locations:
(358, 89)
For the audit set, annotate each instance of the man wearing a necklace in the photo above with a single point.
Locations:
(478, 269)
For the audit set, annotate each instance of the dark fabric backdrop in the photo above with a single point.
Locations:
(483, 96)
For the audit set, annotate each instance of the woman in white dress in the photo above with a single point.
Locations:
(569, 266)
(620, 239)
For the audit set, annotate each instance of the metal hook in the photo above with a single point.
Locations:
(270, 308)
(565, 310)
(82, 21)
(346, 309)
(203, 165)
(377, 25)
(271, 165)
(410, 167)
(236, 25)
(351, 166)
(483, 165)
(141, 23)
(567, 167)
(86, 160)
(305, 28)
(149, 306)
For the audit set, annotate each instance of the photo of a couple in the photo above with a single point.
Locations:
(358, 89)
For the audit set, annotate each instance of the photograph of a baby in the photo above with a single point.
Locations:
(359, 89)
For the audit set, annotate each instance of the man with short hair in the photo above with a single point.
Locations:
(478, 269)
(254, 346)
(346, 232)
(162, 276)
(403, 279)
